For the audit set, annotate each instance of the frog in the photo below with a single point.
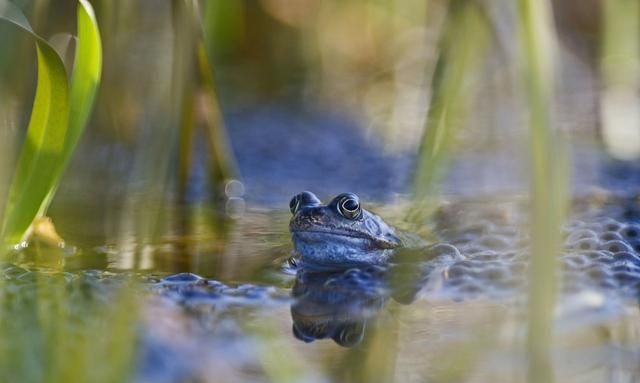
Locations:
(339, 234)
(343, 234)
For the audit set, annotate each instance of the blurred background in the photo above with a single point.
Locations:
(212, 114)
(221, 105)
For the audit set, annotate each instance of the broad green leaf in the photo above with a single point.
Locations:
(42, 150)
(58, 118)
(84, 85)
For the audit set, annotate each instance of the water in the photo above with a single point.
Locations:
(233, 320)
(117, 230)
(235, 332)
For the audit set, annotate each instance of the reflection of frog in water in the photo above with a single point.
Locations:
(339, 304)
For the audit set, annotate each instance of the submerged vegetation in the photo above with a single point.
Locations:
(123, 136)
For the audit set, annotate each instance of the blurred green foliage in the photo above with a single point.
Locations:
(58, 118)
(463, 47)
(55, 329)
(549, 180)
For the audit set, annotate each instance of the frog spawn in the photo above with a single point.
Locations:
(598, 253)
(202, 295)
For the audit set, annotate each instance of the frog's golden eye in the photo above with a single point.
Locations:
(294, 204)
(304, 199)
(349, 206)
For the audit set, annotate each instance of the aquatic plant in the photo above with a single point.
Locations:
(466, 30)
(461, 53)
(58, 118)
(549, 179)
(50, 330)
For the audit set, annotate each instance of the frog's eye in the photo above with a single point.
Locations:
(350, 335)
(349, 206)
(294, 204)
(304, 199)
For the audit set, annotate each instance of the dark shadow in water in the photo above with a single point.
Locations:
(339, 305)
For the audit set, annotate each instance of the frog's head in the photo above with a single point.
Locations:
(340, 233)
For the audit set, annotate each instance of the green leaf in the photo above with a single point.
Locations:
(58, 118)
(86, 74)
(84, 85)
(43, 147)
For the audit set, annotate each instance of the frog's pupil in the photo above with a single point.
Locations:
(350, 204)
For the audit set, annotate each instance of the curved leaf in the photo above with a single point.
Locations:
(64, 44)
(58, 118)
(84, 85)
(43, 148)
(86, 74)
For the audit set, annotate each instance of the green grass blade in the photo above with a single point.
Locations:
(462, 49)
(58, 118)
(43, 148)
(84, 85)
(86, 74)
(549, 185)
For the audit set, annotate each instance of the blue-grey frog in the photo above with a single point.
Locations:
(340, 233)
(344, 234)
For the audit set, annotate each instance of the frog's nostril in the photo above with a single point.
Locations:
(315, 211)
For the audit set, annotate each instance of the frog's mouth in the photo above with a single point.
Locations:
(340, 237)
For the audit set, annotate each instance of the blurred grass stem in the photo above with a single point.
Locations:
(548, 183)
(462, 49)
